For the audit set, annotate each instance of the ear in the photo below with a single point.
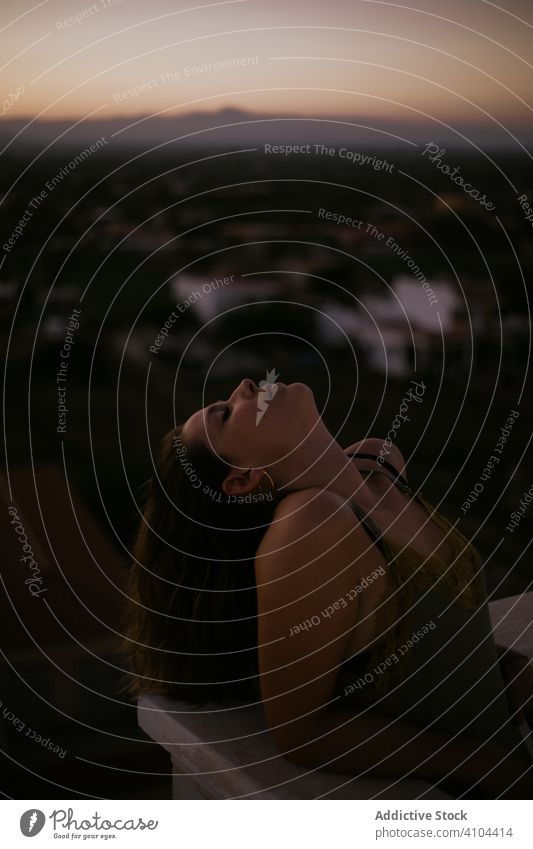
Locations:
(239, 482)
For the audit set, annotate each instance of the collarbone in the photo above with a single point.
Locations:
(306, 502)
(303, 513)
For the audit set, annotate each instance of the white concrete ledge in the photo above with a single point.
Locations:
(228, 753)
(512, 622)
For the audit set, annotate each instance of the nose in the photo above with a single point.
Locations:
(247, 388)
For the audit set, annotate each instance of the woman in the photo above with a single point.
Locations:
(270, 563)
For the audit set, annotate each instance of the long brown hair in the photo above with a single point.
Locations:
(190, 628)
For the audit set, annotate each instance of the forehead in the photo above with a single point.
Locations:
(198, 426)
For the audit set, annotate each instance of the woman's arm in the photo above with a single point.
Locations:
(339, 741)
(304, 567)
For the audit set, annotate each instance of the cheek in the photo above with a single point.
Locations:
(241, 432)
(244, 420)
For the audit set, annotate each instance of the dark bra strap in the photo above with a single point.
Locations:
(368, 523)
(389, 466)
(370, 526)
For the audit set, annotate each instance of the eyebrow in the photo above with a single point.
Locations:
(213, 409)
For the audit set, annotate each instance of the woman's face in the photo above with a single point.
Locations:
(255, 427)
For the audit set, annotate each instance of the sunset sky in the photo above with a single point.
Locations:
(457, 61)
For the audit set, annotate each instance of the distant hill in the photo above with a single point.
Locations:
(240, 128)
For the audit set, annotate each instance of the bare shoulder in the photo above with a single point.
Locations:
(306, 508)
(307, 525)
(374, 445)
(306, 503)
(308, 603)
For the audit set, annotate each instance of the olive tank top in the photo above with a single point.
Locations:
(434, 663)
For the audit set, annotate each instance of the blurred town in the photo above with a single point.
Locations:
(142, 287)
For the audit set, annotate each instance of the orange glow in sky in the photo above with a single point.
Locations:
(455, 61)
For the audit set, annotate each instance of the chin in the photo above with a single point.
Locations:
(303, 396)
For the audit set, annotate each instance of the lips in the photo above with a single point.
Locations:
(278, 383)
(270, 389)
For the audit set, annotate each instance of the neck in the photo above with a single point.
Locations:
(320, 462)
